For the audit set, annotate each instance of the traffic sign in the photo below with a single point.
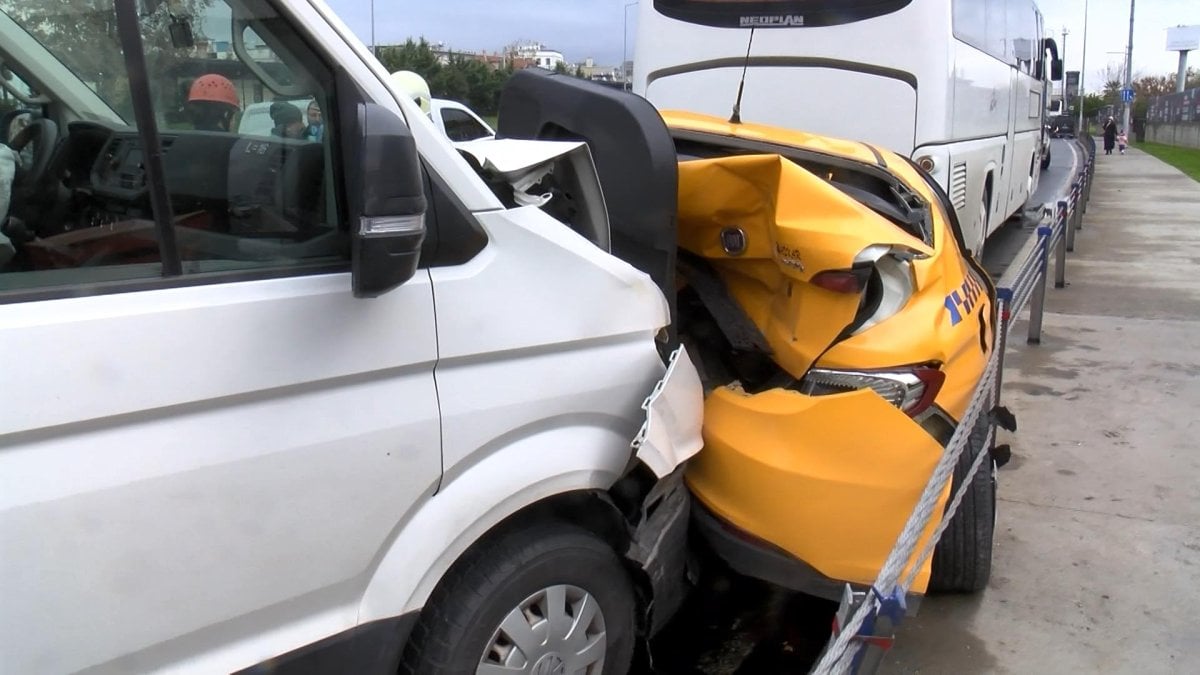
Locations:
(1126, 95)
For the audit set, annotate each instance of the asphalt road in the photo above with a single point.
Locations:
(738, 626)
(1005, 242)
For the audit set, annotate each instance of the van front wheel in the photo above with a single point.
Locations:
(544, 599)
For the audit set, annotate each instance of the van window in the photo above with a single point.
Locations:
(240, 103)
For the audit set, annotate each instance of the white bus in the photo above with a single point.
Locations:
(958, 85)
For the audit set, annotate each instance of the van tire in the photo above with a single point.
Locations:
(461, 622)
(1046, 159)
(962, 560)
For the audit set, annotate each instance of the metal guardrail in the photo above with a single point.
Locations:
(864, 627)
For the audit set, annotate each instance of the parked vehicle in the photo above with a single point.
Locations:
(966, 99)
(878, 324)
(458, 122)
(839, 323)
(279, 405)
(1062, 126)
(256, 118)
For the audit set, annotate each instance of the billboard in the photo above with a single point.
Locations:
(1181, 107)
(1183, 38)
(1072, 84)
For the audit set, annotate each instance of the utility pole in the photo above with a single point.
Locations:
(1127, 115)
(625, 46)
(374, 52)
(1082, 68)
(1066, 98)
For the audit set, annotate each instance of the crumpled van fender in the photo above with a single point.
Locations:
(456, 517)
(578, 456)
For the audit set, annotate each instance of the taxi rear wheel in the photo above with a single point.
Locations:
(962, 560)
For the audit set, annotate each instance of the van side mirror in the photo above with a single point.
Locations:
(387, 200)
(1056, 70)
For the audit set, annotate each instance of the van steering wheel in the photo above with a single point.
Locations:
(43, 135)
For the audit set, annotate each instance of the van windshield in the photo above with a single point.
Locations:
(79, 35)
(76, 50)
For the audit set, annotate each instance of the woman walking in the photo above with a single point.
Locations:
(1110, 135)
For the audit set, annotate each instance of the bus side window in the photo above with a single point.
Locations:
(970, 22)
(1023, 32)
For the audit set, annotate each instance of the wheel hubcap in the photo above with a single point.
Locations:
(556, 631)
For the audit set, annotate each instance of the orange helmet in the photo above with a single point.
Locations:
(214, 88)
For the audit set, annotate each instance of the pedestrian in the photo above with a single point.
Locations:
(212, 103)
(315, 130)
(1110, 135)
(1122, 141)
(289, 121)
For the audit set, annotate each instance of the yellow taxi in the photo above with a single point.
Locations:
(841, 327)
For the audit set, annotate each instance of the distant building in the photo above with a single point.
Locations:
(536, 54)
(589, 70)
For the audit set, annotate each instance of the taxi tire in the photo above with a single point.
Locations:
(962, 560)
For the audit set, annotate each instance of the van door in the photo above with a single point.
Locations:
(199, 465)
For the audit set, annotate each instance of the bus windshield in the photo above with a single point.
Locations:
(775, 13)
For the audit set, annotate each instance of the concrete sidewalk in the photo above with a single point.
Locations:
(1097, 561)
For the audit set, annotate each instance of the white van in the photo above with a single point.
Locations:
(458, 122)
(275, 405)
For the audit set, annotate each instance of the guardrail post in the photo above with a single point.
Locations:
(1060, 249)
(1045, 233)
(1080, 204)
(1072, 210)
(1091, 177)
(1004, 299)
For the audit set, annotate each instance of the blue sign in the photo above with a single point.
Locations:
(1126, 95)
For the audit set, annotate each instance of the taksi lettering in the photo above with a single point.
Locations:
(962, 301)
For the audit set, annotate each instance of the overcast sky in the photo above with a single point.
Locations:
(1108, 31)
(577, 28)
(583, 28)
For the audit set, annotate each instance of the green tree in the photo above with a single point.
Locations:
(1112, 92)
(83, 35)
(1092, 103)
(415, 55)
(1146, 88)
(460, 77)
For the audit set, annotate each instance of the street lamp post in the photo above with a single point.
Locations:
(1120, 76)
(1127, 115)
(373, 50)
(625, 45)
(1066, 99)
(1082, 67)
